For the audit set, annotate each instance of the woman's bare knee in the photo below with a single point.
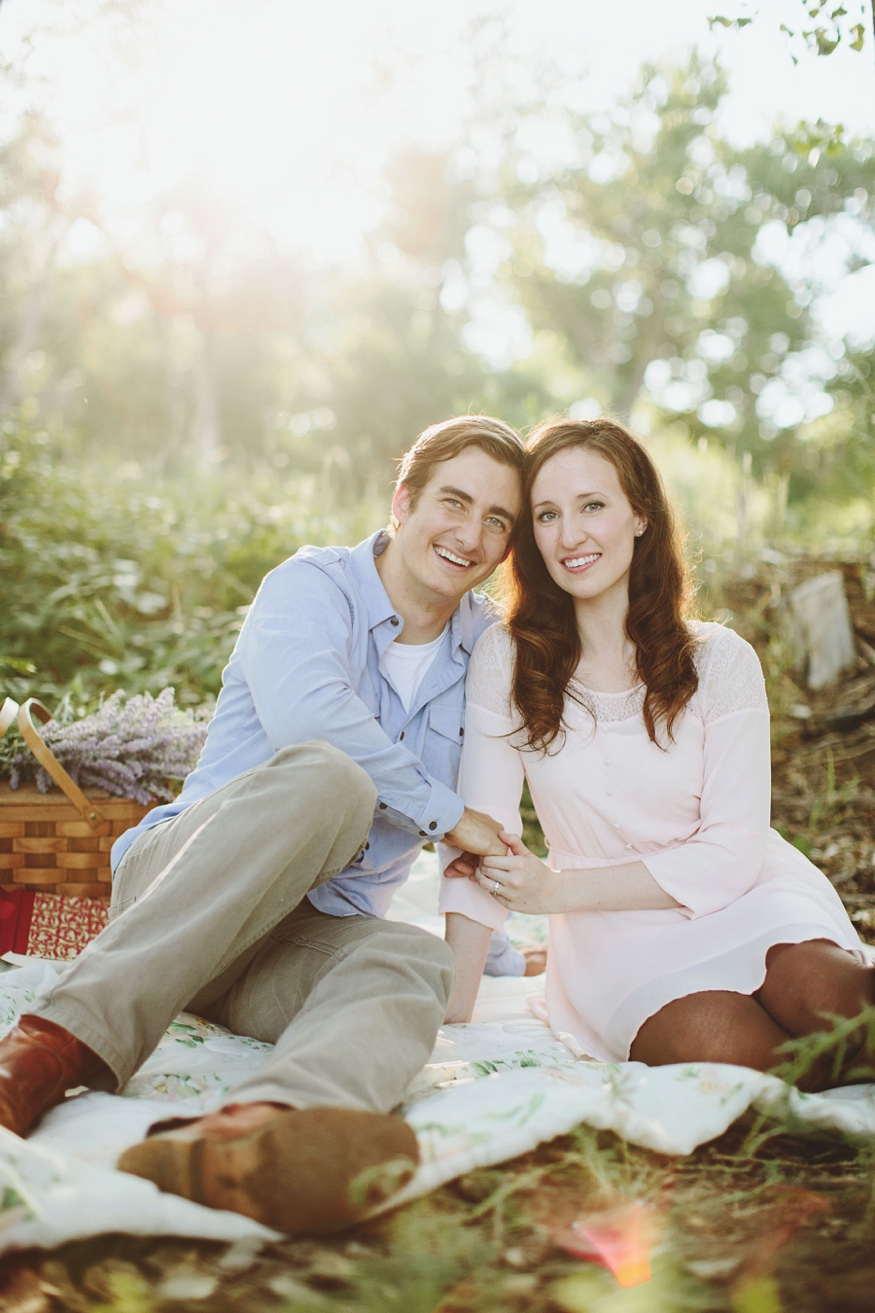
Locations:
(808, 983)
(713, 1026)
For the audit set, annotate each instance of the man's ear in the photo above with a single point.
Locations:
(401, 503)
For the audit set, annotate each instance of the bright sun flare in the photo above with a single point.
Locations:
(291, 108)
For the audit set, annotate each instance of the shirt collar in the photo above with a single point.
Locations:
(377, 603)
(466, 624)
(464, 631)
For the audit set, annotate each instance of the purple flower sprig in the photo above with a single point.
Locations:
(136, 748)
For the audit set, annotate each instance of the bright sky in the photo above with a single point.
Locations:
(277, 102)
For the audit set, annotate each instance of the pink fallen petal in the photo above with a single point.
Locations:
(619, 1238)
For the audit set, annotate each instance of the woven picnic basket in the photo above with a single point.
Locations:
(57, 844)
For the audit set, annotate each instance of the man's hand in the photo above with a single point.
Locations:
(476, 833)
(536, 961)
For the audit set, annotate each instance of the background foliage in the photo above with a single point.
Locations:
(185, 401)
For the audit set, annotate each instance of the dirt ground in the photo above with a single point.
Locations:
(823, 778)
(758, 1221)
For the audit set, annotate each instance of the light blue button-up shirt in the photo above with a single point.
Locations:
(306, 666)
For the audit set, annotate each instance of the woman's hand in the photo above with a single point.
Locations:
(463, 867)
(525, 883)
(521, 882)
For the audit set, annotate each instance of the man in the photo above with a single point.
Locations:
(256, 898)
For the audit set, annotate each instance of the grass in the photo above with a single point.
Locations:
(745, 1225)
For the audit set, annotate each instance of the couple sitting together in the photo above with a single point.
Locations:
(683, 929)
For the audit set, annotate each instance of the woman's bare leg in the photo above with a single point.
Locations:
(808, 983)
(714, 1026)
(803, 982)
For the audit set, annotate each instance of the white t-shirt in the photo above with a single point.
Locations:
(405, 664)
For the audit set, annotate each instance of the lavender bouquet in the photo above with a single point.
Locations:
(136, 748)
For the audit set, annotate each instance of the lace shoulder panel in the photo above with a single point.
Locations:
(491, 670)
(730, 675)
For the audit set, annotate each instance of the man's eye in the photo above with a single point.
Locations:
(454, 503)
(495, 523)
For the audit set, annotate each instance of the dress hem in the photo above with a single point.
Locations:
(705, 978)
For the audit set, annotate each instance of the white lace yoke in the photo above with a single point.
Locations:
(730, 679)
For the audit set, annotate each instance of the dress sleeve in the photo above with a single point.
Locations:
(491, 773)
(722, 860)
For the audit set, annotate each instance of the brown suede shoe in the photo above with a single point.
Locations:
(302, 1169)
(39, 1062)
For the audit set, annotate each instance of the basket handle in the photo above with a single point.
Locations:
(49, 761)
(8, 712)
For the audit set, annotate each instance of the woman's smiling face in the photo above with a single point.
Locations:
(584, 525)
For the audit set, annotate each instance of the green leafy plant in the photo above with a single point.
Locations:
(844, 1051)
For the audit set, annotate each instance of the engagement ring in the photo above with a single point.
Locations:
(496, 887)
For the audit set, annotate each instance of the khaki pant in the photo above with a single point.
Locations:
(209, 914)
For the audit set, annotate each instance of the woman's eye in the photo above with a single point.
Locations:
(594, 506)
(544, 517)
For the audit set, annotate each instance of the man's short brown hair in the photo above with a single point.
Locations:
(443, 441)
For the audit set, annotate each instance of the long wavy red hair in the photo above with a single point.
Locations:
(541, 616)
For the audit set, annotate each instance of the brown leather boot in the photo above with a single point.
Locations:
(299, 1170)
(39, 1062)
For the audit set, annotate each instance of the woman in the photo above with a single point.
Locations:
(682, 927)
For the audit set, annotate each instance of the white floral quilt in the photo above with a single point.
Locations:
(492, 1090)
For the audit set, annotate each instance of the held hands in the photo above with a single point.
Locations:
(476, 834)
(521, 882)
(525, 883)
(492, 856)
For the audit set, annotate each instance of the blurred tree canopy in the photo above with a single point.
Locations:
(654, 259)
(833, 25)
(653, 263)
(183, 401)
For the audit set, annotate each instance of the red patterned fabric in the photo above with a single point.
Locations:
(16, 911)
(49, 925)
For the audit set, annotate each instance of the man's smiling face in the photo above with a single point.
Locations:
(459, 528)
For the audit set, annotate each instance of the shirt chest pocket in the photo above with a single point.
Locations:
(443, 743)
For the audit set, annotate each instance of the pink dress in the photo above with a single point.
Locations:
(696, 815)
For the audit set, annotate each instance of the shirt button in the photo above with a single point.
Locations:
(461, 732)
(382, 806)
(432, 825)
(422, 834)
(367, 845)
(395, 621)
(401, 736)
